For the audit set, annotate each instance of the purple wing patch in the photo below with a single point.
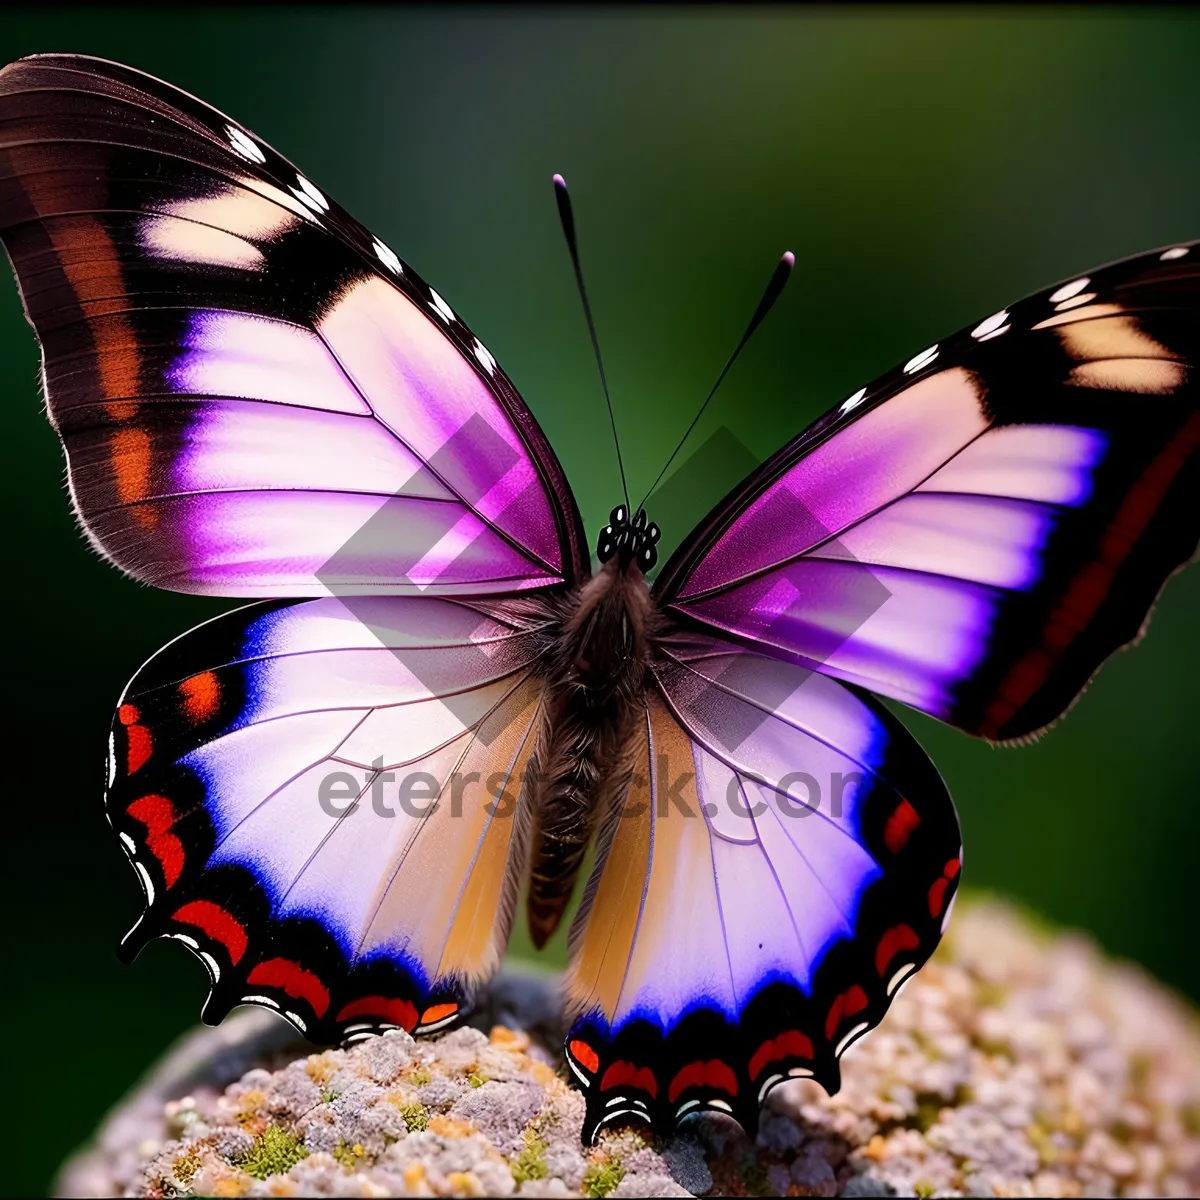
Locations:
(976, 532)
(256, 396)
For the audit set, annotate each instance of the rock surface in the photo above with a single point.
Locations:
(1017, 1063)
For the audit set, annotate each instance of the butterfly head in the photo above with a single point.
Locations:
(629, 540)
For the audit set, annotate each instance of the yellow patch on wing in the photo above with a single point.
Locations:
(474, 946)
(1109, 337)
(654, 918)
(1152, 376)
(598, 970)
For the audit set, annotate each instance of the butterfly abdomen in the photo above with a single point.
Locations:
(596, 668)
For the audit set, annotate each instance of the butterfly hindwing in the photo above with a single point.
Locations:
(977, 531)
(784, 856)
(256, 396)
(325, 804)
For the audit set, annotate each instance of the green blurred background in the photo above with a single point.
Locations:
(926, 168)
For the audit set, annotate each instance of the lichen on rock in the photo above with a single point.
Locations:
(1018, 1063)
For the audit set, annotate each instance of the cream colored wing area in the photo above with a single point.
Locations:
(605, 927)
(653, 918)
(783, 856)
(448, 900)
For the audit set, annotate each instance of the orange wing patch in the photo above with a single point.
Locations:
(201, 696)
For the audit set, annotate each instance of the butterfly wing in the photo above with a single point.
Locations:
(325, 804)
(784, 856)
(256, 396)
(975, 532)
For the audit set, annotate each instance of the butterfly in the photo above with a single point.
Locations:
(335, 795)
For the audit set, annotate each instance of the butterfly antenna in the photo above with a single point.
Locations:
(568, 225)
(782, 272)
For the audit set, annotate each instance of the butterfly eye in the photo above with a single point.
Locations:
(639, 522)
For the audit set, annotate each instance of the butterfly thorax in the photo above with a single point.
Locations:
(596, 665)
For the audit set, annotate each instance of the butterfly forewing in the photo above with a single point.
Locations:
(977, 531)
(972, 534)
(257, 397)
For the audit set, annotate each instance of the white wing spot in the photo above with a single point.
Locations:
(440, 307)
(308, 195)
(900, 976)
(1075, 302)
(486, 361)
(1173, 253)
(259, 1000)
(921, 360)
(854, 401)
(991, 325)
(388, 257)
(857, 1031)
(244, 146)
(949, 910)
(1069, 289)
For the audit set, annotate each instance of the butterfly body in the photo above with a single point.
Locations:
(596, 677)
(259, 399)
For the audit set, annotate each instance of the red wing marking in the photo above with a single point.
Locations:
(201, 696)
(792, 1044)
(393, 1011)
(1089, 588)
(900, 826)
(137, 737)
(585, 1056)
(157, 813)
(294, 979)
(625, 1074)
(899, 937)
(713, 1074)
(138, 746)
(217, 923)
(438, 1012)
(937, 893)
(851, 1001)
